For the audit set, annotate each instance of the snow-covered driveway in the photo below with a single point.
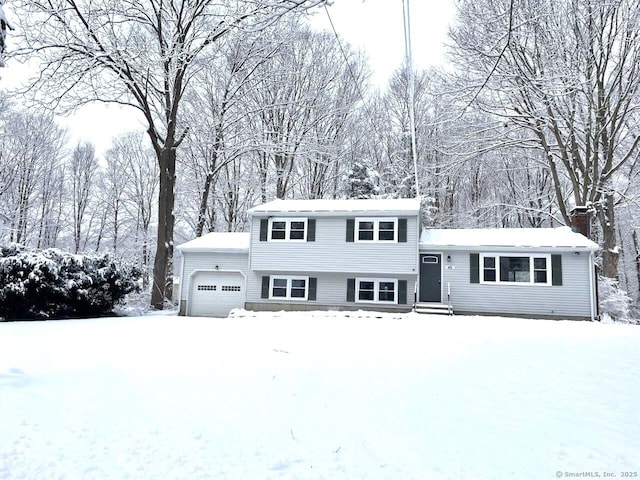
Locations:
(318, 396)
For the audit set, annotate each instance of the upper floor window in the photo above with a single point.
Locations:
(376, 229)
(288, 229)
(517, 269)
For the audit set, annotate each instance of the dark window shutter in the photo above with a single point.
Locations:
(474, 267)
(264, 229)
(265, 287)
(313, 287)
(351, 225)
(556, 269)
(311, 230)
(402, 230)
(351, 289)
(402, 292)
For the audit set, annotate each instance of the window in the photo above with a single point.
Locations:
(489, 269)
(376, 290)
(376, 229)
(387, 231)
(512, 269)
(289, 288)
(296, 230)
(288, 229)
(231, 288)
(366, 230)
(206, 288)
(278, 230)
(540, 270)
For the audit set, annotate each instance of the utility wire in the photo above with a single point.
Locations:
(355, 81)
(406, 14)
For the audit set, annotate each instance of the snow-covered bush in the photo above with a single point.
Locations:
(56, 284)
(615, 303)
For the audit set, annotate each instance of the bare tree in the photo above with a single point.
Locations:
(4, 26)
(82, 169)
(217, 111)
(30, 144)
(303, 97)
(567, 72)
(140, 194)
(141, 53)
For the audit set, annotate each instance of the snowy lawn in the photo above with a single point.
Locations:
(318, 396)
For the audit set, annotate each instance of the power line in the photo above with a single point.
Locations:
(406, 15)
(353, 77)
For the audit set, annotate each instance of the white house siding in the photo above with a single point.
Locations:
(330, 252)
(571, 299)
(331, 292)
(202, 261)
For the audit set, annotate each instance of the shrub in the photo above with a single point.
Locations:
(56, 284)
(615, 303)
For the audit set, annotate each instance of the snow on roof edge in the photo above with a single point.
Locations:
(337, 206)
(558, 237)
(218, 241)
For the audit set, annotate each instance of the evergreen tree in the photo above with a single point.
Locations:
(362, 181)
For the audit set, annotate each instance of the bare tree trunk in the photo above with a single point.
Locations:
(636, 248)
(164, 251)
(263, 166)
(611, 254)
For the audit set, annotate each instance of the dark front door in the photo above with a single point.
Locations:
(430, 277)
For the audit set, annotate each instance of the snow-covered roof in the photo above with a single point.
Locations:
(329, 207)
(218, 241)
(495, 238)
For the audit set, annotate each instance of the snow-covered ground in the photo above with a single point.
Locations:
(318, 396)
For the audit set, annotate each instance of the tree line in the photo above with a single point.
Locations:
(536, 112)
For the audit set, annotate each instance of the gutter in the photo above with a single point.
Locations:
(181, 284)
(592, 285)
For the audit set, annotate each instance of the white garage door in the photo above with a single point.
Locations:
(215, 294)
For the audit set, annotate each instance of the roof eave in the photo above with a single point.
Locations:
(499, 248)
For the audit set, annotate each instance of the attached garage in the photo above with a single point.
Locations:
(215, 294)
(213, 274)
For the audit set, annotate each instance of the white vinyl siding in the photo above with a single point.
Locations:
(331, 253)
(222, 261)
(571, 299)
(331, 291)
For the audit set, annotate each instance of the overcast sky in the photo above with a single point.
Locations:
(375, 26)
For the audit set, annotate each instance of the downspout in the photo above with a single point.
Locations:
(592, 285)
(180, 312)
(251, 219)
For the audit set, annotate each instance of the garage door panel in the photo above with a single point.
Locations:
(215, 294)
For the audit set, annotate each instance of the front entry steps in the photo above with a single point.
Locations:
(434, 308)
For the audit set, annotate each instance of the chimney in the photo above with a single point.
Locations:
(581, 221)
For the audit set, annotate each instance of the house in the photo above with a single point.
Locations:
(370, 254)
(531, 272)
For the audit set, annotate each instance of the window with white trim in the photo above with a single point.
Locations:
(289, 288)
(376, 230)
(515, 269)
(287, 229)
(376, 290)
